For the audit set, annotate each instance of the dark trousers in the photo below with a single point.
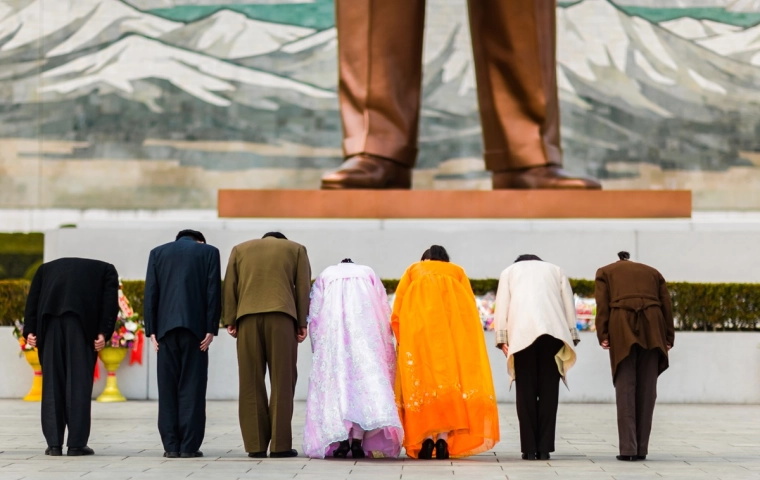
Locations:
(182, 380)
(267, 340)
(68, 362)
(537, 378)
(636, 393)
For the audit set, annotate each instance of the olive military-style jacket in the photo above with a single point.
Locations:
(633, 306)
(264, 276)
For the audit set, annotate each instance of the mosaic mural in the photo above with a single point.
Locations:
(158, 103)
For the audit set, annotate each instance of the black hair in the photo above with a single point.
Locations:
(528, 256)
(275, 235)
(426, 255)
(194, 234)
(346, 260)
(439, 253)
(624, 255)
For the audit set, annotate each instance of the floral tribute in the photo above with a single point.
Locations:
(128, 332)
(18, 332)
(585, 310)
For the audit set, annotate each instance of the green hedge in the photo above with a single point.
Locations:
(12, 300)
(696, 306)
(19, 253)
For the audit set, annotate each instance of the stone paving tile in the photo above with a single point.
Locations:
(689, 441)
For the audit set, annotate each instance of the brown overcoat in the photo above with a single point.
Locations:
(633, 307)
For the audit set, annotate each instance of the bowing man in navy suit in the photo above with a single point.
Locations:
(182, 313)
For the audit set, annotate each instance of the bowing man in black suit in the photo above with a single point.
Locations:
(182, 313)
(70, 314)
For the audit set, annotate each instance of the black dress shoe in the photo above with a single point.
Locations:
(641, 457)
(357, 451)
(342, 450)
(171, 454)
(286, 454)
(54, 451)
(543, 456)
(426, 452)
(441, 450)
(626, 458)
(258, 454)
(191, 454)
(528, 456)
(79, 451)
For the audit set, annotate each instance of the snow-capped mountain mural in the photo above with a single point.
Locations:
(230, 100)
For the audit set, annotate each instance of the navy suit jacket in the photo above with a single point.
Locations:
(183, 289)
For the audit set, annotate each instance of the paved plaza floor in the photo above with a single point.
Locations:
(688, 442)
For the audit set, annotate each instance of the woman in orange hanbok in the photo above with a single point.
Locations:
(444, 388)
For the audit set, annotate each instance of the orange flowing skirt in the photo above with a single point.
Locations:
(443, 379)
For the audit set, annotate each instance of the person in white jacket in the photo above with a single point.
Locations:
(535, 328)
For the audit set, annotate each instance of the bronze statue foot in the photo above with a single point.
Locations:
(544, 177)
(368, 172)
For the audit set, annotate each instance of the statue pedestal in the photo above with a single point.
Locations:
(453, 204)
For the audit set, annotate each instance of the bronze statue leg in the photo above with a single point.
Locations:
(514, 48)
(512, 89)
(380, 68)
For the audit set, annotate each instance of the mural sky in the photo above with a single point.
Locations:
(175, 98)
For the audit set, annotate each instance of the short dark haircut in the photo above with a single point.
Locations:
(528, 256)
(194, 234)
(624, 255)
(439, 253)
(426, 255)
(275, 235)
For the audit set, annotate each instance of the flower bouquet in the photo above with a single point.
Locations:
(33, 359)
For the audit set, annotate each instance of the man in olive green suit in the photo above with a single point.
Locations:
(265, 304)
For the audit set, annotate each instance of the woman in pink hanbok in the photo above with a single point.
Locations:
(351, 406)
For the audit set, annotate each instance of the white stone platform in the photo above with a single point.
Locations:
(710, 247)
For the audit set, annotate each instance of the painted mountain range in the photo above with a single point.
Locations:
(683, 94)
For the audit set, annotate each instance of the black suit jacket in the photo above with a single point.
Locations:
(183, 289)
(86, 288)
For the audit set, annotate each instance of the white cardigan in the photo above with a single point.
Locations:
(535, 298)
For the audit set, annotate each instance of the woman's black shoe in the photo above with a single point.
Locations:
(441, 450)
(342, 450)
(641, 457)
(544, 456)
(626, 458)
(528, 456)
(426, 452)
(356, 449)
(258, 454)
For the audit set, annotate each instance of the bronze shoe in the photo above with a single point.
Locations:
(368, 172)
(545, 177)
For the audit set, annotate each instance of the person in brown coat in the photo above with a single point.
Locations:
(634, 321)
(265, 304)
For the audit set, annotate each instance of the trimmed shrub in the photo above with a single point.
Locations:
(135, 292)
(19, 252)
(12, 300)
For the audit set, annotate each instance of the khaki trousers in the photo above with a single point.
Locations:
(267, 340)
(636, 392)
(514, 48)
